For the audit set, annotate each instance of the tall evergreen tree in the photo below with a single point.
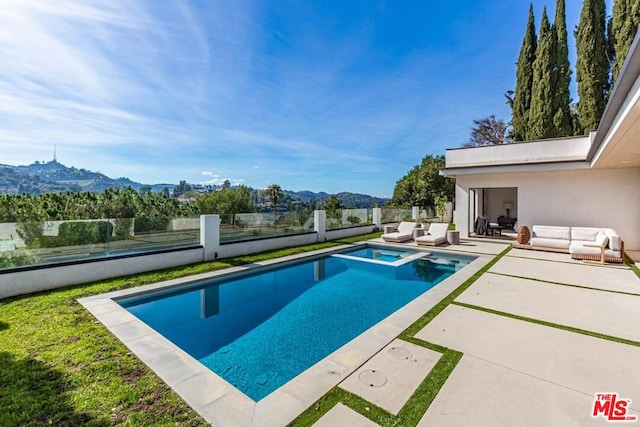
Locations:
(524, 80)
(623, 28)
(541, 112)
(592, 68)
(562, 119)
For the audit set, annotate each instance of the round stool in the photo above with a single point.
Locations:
(523, 235)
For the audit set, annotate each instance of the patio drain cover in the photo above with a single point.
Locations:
(400, 353)
(372, 378)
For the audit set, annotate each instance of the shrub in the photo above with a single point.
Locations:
(151, 223)
(30, 231)
(123, 228)
(353, 219)
(85, 232)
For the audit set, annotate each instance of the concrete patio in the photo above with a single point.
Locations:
(526, 330)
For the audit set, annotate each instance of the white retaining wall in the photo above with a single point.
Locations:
(42, 279)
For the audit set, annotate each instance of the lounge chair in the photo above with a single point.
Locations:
(403, 233)
(436, 234)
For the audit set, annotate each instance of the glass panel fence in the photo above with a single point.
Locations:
(249, 226)
(46, 242)
(429, 214)
(345, 218)
(396, 215)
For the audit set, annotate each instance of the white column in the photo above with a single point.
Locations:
(377, 217)
(320, 224)
(415, 213)
(210, 236)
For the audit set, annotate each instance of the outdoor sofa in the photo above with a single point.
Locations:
(585, 243)
(435, 235)
(403, 233)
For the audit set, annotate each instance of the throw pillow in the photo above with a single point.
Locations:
(602, 239)
(616, 245)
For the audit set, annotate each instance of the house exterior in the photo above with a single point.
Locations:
(590, 181)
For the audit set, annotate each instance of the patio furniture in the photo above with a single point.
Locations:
(453, 237)
(493, 227)
(551, 238)
(584, 243)
(507, 223)
(418, 232)
(596, 244)
(524, 234)
(404, 232)
(436, 234)
(481, 225)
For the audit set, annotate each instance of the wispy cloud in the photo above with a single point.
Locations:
(321, 95)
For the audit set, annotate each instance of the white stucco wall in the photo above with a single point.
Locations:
(41, 279)
(592, 198)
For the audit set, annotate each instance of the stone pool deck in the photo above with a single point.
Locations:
(540, 334)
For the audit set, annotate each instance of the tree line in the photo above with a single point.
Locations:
(423, 185)
(152, 210)
(541, 105)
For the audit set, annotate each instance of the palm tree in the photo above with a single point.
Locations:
(274, 191)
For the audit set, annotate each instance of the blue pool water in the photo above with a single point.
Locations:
(260, 330)
(382, 254)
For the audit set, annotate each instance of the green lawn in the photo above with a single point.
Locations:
(59, 366)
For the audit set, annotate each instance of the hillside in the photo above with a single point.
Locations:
(46, 177)
(54, 177)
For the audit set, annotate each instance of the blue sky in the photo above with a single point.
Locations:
(317, 95)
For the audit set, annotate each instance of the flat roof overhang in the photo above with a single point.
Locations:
(516, 168)
(617, 142)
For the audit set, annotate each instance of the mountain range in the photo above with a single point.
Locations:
(53, 176)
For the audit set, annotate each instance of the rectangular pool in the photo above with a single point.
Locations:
(259, 330)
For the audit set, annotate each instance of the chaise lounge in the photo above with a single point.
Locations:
(436, 234)
(403, 233)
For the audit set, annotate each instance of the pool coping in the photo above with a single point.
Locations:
(220, 403)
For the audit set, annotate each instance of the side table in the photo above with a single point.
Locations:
(453, 237)
(417, 232)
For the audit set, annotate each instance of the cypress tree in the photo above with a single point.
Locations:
(524, 81)
(592, 68)
(623, 28)
(541, 112)
(562, 119)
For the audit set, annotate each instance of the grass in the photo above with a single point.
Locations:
(632, 265)
(419, 402)
(59, 366)
(569, 285)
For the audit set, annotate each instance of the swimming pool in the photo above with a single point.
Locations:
(260, 330)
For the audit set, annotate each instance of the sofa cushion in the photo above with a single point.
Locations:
(551, 232)
(579, 249)
(550, 242)
(615, 243)
(406, 227)
(397, 237)
(585, 233)
(602, 239)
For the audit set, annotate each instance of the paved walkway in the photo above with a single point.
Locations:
(516, 371)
